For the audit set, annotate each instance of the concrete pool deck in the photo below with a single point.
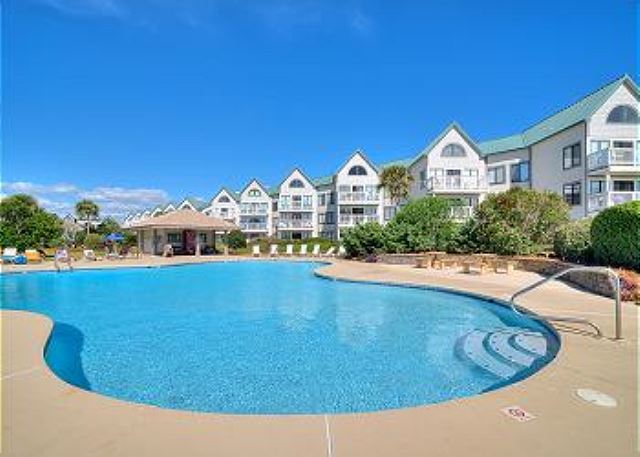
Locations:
(44, 416)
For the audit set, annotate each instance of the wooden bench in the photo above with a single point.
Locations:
(441, 264)
(508, 266)
(424, 261)
(479, 265)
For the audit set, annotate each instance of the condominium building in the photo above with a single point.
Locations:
(588, 152)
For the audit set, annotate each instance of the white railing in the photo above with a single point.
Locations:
(596, 202)
(456, 183)
(358, 197)
(353, 219)
(253, 226)
(295, 207)
(295, 224)
(613, 157)
(250, 211)
(461, 213)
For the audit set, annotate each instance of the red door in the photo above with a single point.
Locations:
(189, 241)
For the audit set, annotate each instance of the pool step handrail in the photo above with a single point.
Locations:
(577, 320)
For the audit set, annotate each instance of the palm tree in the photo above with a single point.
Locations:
(396, 181)
(87, 210)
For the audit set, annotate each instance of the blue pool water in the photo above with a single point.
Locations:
(270, 337)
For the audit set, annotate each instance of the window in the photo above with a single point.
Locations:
(623, 114)
(254, 193)
(330, 218)
(357, 170)
(453, 150)
(597, 186)
(307, 201)
(520, 172)
(496, 175)
(203, 238)
(321, 218)
(599, 145)
(571, 193)
(224, 199)
(571, 156)
(332, 198)
(454, 172)
(322, 198)
(623, 186)
(174, 238)
(296, 184)
(423, 179)
(389, 212)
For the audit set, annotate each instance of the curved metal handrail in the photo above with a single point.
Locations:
(608, 271)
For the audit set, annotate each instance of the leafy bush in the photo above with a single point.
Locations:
(364, 240)
(573, 241)
(421, 225)
(93, 241)
(23, 224)
(236, 240)
(518, 221)
(615, 235)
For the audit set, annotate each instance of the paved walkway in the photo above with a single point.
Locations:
(43, 416)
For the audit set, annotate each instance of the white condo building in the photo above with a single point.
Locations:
(588, 152)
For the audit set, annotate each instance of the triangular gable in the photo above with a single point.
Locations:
(453, 126)
(231, 195)
(309, 181)
(264, 189)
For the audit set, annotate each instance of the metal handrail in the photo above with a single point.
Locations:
(608, 271)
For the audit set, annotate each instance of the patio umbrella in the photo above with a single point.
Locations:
(114, 237)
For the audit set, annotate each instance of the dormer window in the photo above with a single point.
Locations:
(296, 184)
(453, 150)
(224, 199)
(254, 193)
(357, 170)
(623, 114)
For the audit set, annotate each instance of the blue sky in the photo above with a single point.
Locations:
(134, 102)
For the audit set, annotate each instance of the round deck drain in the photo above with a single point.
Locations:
(597, 398)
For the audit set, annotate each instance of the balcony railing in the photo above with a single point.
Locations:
(253, 226)
(353, 219)
(456, 183)
(295, 224)
(254, 211)
(295, 207)
(358, 197)
(461, 213)
(596, 202)
(613, 157)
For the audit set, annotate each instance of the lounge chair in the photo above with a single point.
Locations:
(273, 250)
(342, 252)
(9, 255)
(303, 250)
(289, 250)
(330, 252)
(90, 255)
(256, 250)
(33, 256)
(316, 250)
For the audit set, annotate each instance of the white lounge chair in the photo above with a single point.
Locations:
(90, 255)
(274, 250)
(9, 255)
(289, 250)
(256, 250)
(303, 250)
(316, 250)
(330, 252)
(342, 252)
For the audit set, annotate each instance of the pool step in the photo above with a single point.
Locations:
(502, 352)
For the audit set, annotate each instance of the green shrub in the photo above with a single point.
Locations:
(421, 225)
(364, 240)
(518, 221)
(93, 241)
(236, 240)
(615, 235)
(573, 242)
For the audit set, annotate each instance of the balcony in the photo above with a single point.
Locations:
(295, 224)
(456, 184)
(358, 197)
(624, 157)
(597, 202)
(294, 207)
(254, 211)
(253, 226)
(354, 219)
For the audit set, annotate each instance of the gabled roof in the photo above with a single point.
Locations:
(231, 194)
(185, 219)
(323, 180)
(309, 180)
(251, 181)
(453, 126)
(567, 117)
(361, 153)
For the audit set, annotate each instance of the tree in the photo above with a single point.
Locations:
(107, 226)
(24, 224)
(236, 240)
(364, 240)
(422, 225)
(518, 221)
(87, 210)
(396, 181)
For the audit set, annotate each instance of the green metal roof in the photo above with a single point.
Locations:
(563, 119)
(197, 203)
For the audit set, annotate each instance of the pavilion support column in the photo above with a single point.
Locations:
(155, 242)
(214, 241)
(139, 240)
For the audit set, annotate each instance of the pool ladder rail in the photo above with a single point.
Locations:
(576, 320)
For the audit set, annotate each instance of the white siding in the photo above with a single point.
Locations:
(598, 128)
(506, 159)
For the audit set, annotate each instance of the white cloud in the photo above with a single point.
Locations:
(114, 8)
(113, 201)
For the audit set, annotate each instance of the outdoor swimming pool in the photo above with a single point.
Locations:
(270, 337)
